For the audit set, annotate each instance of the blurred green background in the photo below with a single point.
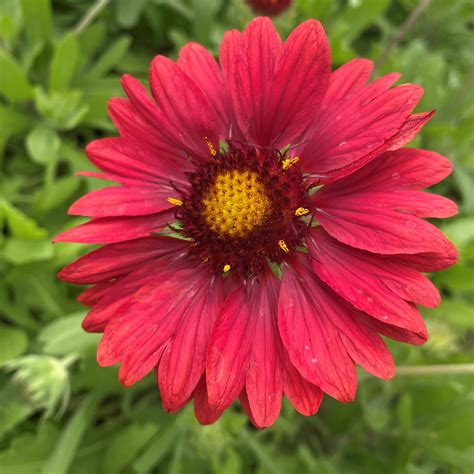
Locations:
(60, 61)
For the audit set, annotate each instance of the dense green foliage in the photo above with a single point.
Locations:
(59, 412)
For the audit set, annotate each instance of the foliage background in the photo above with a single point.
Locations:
(60, 413)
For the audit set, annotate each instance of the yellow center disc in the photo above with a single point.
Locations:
(236, 203)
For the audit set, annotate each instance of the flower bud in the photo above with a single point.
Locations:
(44, 381)
(269, 7)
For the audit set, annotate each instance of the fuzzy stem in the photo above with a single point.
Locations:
(439, 369)
(405, 27)
(69, 359)
(90, 16)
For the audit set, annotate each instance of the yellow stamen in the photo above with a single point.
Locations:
(176, 202)
(226, 268)
(289, 162)
(212, 150)
(283, 246)
(301, 211)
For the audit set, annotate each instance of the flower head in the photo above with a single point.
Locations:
(269, 7)
(266, 228)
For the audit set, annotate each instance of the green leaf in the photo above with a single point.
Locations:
(12, 409)
(110, 58)
(37, 17)
(91, 40)
(10, 19)
(405, 414)
(28, 451)
(64, 109)
(457, 313)
(43, 144)
(7, 28)
(13, 82)
(37, 286)
(161, 444)
(358, 15)
(462, 459)
(459, 278)
(65, 335)
(13, 342)
(176, 466)
(21, 225)
(14, 312)
(54, 194)
(465, 181)
(11, 8)
(204, 14)
(460, 231)
(126, 445)
(20, 251)
(12, 123)
(65, 61)
(128, 13)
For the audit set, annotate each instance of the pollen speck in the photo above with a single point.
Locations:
(212, 150)
(226, 268)
(283, 246)
(285, 164)
(176, 202)
(301, 211)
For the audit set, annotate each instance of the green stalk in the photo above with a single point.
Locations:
(70, 439)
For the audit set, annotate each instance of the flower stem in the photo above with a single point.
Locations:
(90, 16)
(405, 27)
(69, 359)
(440, 369)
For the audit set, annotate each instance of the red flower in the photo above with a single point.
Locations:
(266, 165)
(269, 7)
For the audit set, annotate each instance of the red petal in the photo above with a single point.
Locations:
(394, 332)
(205, 414)
(123, 201)
(184, 358)
(133, 121)
(300, 81)
(115, 229)
(409, 130)
(428, 262)
(404, 169)
(303, 395)
(366, 226)
(188, 118)
(92, 295)
(264, 383)
(368, 350)
(135, 161)
(230, 350)
(348, 79)
(111, 261)
(360, 126)
(120, 290)
(375, 284)
(142, 328)
(306, 313)
(248, 62)
(203, 69)
(410, 202)
(244, 402)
